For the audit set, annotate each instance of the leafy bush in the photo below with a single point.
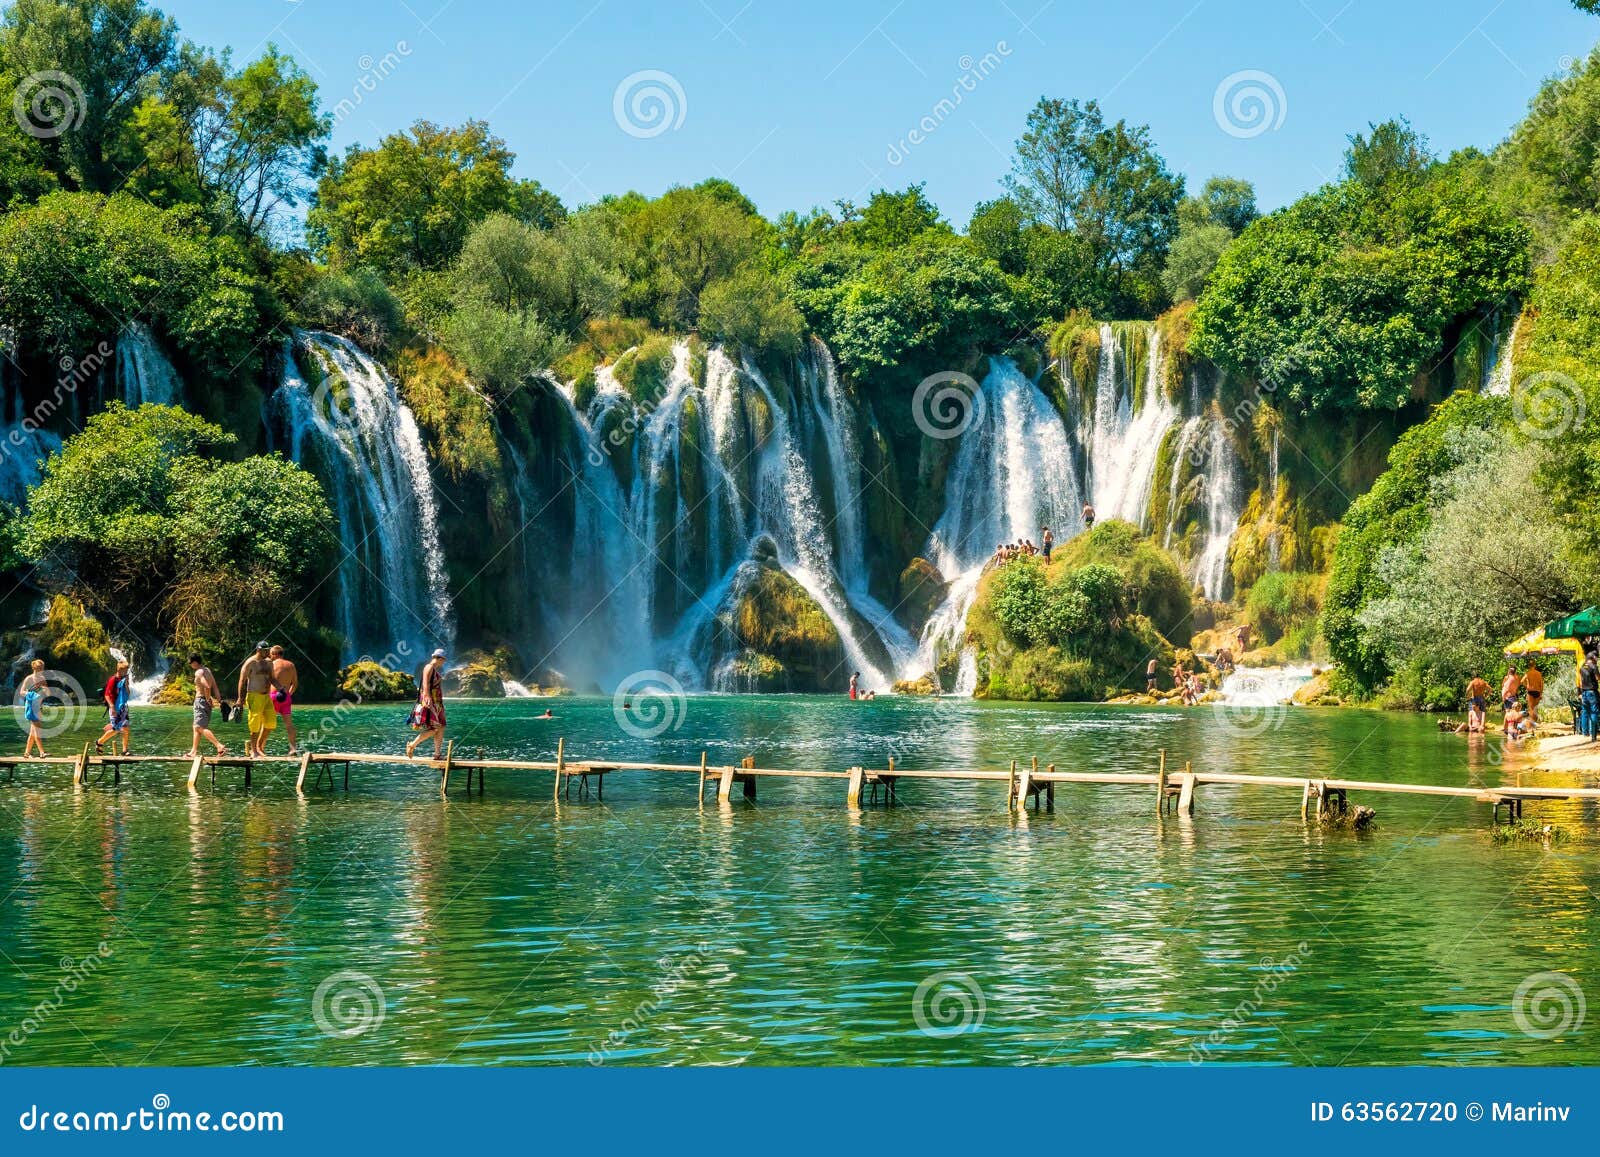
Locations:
(358, 305)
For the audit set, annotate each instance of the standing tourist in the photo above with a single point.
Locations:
(1150, 676)
(1047, 542)
(1589, 697)
(855, 684)
(428, 720)
(1533, 684)
(116, 699)
(1088, 517)
(286, 680)
(1477, 702)
(255, 686)
(1510, 686)
(206, 696)
(32, 692)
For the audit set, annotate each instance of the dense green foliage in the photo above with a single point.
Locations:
(1079, 627)
(139, 520)
(1342, 299)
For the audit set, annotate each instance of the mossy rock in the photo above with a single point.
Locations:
(368, 682)
(643, 371)
(926, 684)
(74, 643)
(921, 589)
(778, 637)
(482, 674)
(176, 691)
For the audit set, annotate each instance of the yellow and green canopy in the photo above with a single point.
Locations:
(1585, 622)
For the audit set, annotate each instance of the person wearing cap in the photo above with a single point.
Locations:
(428, 719)
(116, 700)
(255, 692)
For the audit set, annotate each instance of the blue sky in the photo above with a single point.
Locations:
(801, 104)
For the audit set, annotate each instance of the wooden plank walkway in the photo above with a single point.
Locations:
(1175, 791)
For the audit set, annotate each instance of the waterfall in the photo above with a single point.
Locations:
(1502, 359)
(1185, 450)
(715, 467)
(363, 443)
(1223, 507)
(1263, 686)
(1127, 430)
(143, 372)
(23, 445)
(143, 690)
(1272, 500)
(1012, 475)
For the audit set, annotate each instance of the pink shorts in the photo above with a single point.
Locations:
(282, 703)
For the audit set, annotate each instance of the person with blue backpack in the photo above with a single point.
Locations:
(32, 692)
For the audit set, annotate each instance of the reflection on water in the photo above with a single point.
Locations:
(507, 929)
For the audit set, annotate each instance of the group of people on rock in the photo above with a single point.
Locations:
(1025, 548)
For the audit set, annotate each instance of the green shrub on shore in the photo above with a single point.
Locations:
(366, 681)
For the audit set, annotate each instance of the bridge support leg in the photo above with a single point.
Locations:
(725, 785)
(852, 796)
(1186, 794)
(299, 781)
(200, 762)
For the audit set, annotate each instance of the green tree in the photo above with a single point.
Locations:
(893, 219)
(410, 203)
(1206, 225)
(1105, 183)
(138, 519)
(752, 308)
(113, 52)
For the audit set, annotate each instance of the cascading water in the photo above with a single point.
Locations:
(1502, 362)
(1263, 686)
(23, 446)
(1125, 437)
(143, 372)
(1012, 476)
(715, 467)
(362, 441)
(1223, 505)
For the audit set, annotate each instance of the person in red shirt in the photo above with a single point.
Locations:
(116, 698)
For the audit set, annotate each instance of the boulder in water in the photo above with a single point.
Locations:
(365, 681)
(927, 684)
(772, 635)
(922, 588)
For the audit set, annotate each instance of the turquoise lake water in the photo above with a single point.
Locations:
(144, 924)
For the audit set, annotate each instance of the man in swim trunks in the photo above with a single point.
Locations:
(116, 692)
(206, 696)
(288, 682)
(1477, 703)
(255, 687)
(1150, 677)
(1509, 687)
(1533, 684)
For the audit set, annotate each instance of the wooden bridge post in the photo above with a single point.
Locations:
(725, 785)
(561, 764)
(1306, 797)
(1186, 796)
(852, 797)
(444, 775)
(1050, 790)
(749, 784)
(80, 770)
(702, 796)
(1161, 783)
(1011, 787)
(1024, 781)
(195, 767)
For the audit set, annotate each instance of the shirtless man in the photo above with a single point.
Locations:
(255, 687)
(1477, 703)
(1150, 677)
(206, 696)
(1533, 684)
(288, 681)
(1509, 687)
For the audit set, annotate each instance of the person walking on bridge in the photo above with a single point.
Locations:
(286, 678)
(428, 719)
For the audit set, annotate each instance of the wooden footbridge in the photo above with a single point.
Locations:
(1174, 791)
